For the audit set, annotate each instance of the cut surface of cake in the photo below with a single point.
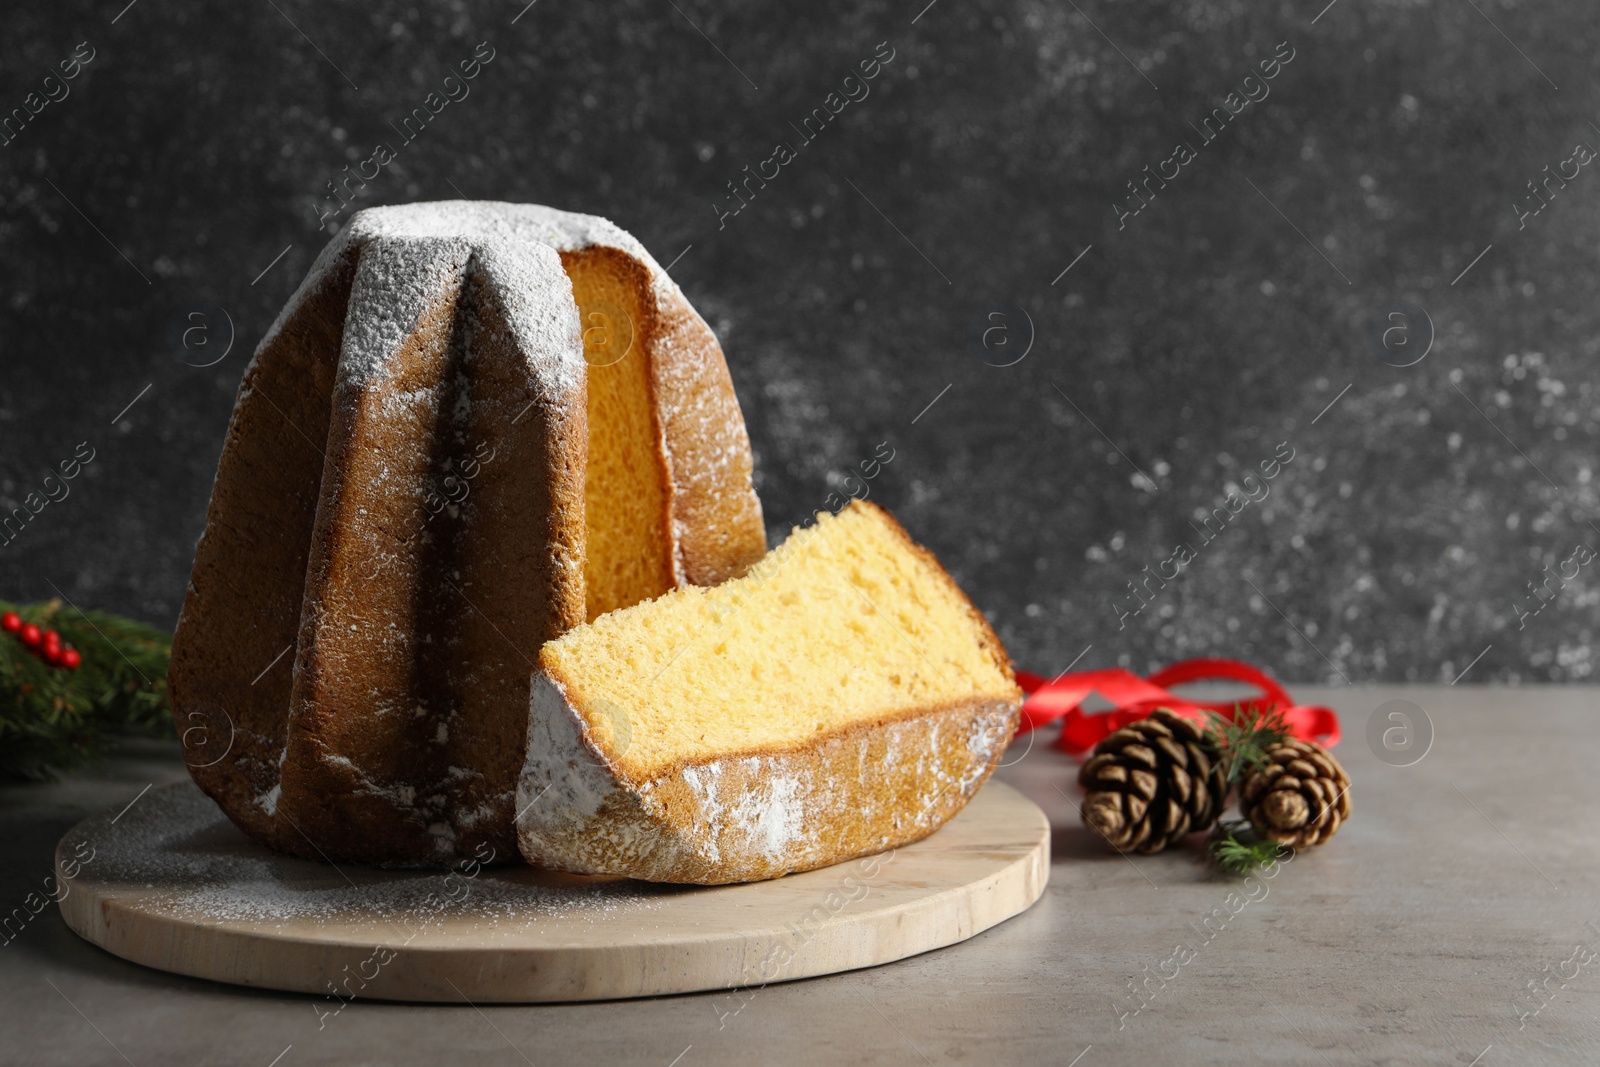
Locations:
(842, 698)
(433, 467)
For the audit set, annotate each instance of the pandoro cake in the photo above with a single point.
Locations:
(842, 698)
(473, 427)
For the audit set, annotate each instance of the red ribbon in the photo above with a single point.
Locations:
(1135, 698)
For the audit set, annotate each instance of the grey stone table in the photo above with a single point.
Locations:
(1462, 882)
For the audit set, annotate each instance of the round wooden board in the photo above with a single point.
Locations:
(171, 884)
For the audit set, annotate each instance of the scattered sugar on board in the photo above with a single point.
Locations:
(177, 837)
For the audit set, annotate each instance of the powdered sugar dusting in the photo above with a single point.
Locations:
(766, 815)
(410, 902)
(773, 816)
(751, 816)
(178, 841)
(398, 280)
(536, 298)
(269, 799)
(561, 782)
(484, 219)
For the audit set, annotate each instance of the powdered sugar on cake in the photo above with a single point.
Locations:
(754, 816)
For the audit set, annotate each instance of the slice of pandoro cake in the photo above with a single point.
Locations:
(842, 698)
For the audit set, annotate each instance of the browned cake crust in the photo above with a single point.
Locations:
(419, 616)
(350, 672)
(746, 817)
(761, 813)
(720, 533)
(393, 732)
(232, 655)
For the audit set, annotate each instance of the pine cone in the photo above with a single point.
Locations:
(1150, 783)
(1299, 797)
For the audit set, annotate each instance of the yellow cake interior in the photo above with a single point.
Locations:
(626, 493)
(845, 623)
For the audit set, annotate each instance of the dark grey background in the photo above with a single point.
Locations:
(858, 285)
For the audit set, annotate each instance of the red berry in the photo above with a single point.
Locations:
(32, 635)
(70, 659)
(52, 643)
(10, 622)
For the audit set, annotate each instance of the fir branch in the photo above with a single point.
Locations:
(1242, 743)
(1235, 848)
(53, 719)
